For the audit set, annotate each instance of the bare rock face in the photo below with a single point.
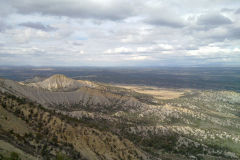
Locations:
(59, 82)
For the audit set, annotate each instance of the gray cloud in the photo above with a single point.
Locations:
(221, 34)
(77, 44)
(227, 10)
(237, 11)
(234, 33)
(3, 26)
(38, 25)
(169, 22)
(112, 10)
(213, 20)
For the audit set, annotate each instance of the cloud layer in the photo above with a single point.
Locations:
(114, 32)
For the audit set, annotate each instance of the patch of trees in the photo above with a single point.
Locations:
(13, 156)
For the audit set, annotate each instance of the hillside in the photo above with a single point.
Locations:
(59, 82)
(58, 117)
(82, 97)
(50, 133)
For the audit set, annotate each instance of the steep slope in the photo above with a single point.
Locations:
(82, 98)
(51, 133)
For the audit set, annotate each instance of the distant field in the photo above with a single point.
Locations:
(194, 77)
(156, 92)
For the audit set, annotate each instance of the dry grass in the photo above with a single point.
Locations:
(9, 122)
(158, 93)
(7, 148)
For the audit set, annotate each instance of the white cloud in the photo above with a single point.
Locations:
(236, 50)
(121, 50)
(210, 51)
(144, 49)
(137, 58)
(27, 34)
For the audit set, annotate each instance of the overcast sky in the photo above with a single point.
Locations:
(120, 32)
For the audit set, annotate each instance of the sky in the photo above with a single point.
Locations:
(120, 32)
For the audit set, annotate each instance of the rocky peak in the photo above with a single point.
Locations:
(59, 82)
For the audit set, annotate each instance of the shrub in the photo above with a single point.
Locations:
(61, 156)
(14, 156)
